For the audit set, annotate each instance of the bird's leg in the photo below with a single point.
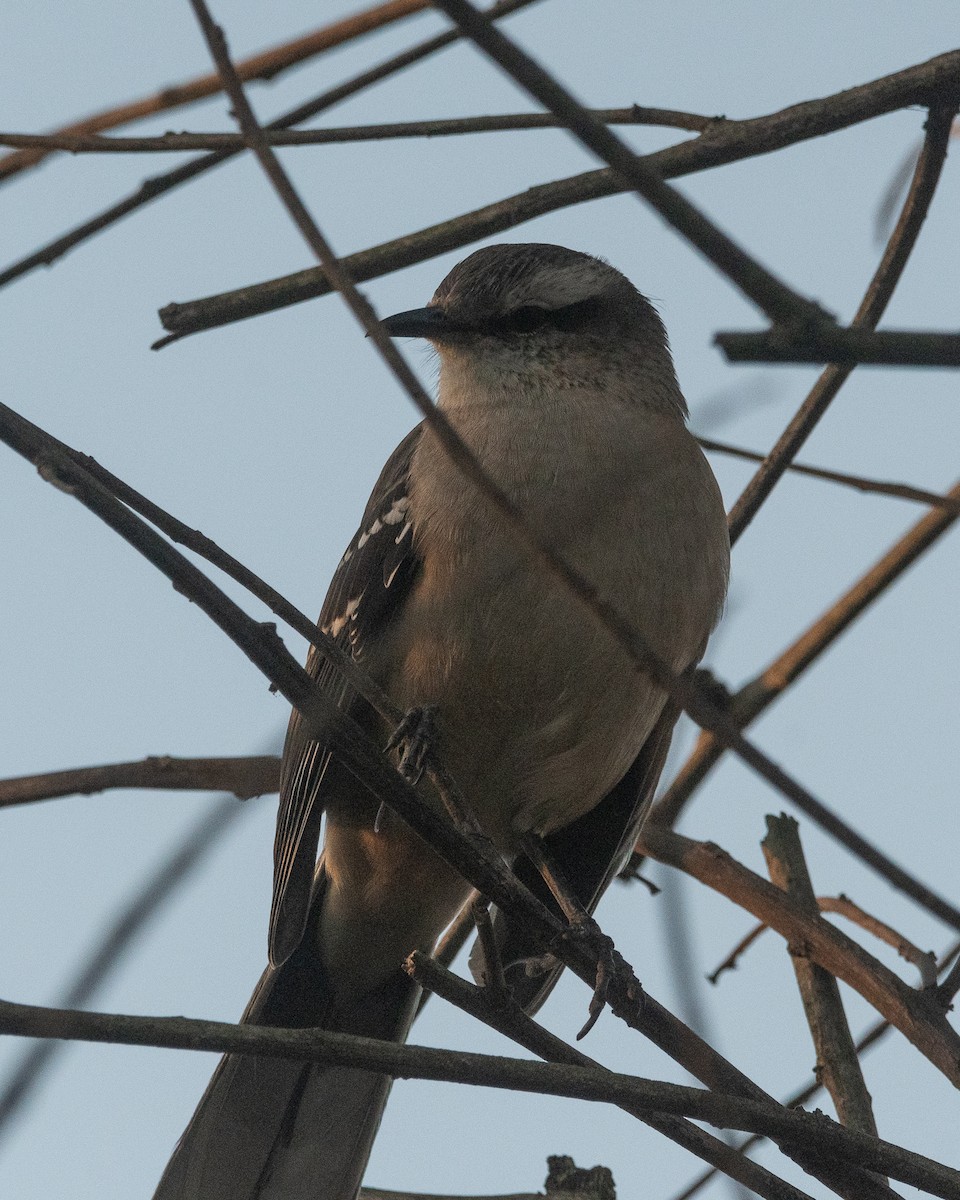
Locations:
(495, 985)
(582, 926)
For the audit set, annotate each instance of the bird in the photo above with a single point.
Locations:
(557, 375)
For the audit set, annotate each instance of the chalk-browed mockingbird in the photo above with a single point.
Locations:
(556, 373)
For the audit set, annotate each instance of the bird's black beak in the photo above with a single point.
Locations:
(431, 323)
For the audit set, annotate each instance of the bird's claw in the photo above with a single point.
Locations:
(610, 966)
(414, 735)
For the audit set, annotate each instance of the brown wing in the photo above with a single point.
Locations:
(367, 590)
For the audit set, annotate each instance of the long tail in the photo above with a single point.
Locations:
(275, 1129)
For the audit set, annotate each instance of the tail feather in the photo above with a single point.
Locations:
(277, 1129)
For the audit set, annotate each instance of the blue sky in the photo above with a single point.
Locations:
(267, 436)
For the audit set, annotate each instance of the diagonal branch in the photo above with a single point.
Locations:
(262, 646)
(268, 64)
(508, 1018)
(917, 1015)
(837, 1062)
(726, 142)
(761, 691)
(159, 185)
(886, 277)
(779, 302)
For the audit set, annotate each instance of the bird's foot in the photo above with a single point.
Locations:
(414, 737)
(584, 931)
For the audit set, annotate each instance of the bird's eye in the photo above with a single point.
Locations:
(530, 318)
(522, 320)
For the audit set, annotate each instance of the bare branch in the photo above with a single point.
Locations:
(265, 65)
(837, 1063)
(813, 1130)
(501, 1013)
(867, 1040)
(768, 293)
(918, 1017)
(924, 960)
(89, 143)
(888, 347)
(158, 186)
(872, 307)
(242, 777)
(728, 142)
(902, 491)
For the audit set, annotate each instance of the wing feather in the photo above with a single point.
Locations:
(367, 591)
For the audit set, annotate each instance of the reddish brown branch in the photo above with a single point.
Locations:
(917, 1015)
(265, 65)
(924, 960)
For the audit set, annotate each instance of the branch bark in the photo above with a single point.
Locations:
(838, 1066)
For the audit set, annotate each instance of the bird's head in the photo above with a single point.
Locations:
(537, 314)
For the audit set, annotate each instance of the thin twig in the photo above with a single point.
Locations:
(159, 185)
(88, 143)
(813, 1130)
(760, 692)
(902, 491)
(268, 64)
(243, 777)
(924, 960)
(732, 961)
(872, 307)
(915, 1014)
(837, 1063)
